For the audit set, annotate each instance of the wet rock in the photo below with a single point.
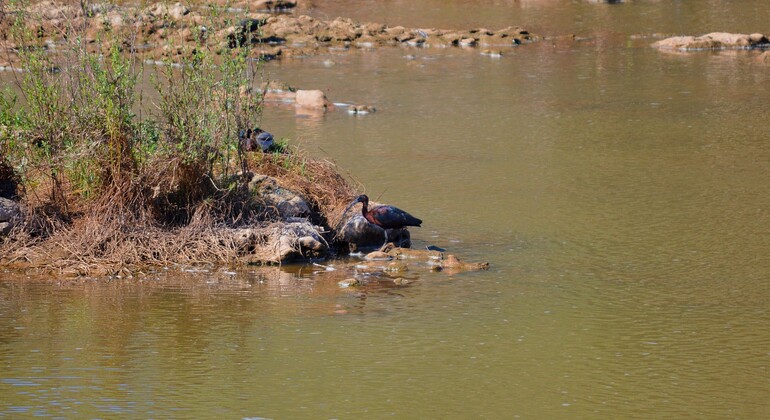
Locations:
(467, 42)
(311, 99)
(288, 204)
(421, 254)
(396, 267)
(400, 281)
(361, 109)
(367, 41)
(378, 256)
(712, 41)
(492, 53)
(493, 40)
(360, 234)
(451, 262)
(348, 283)
(11, 215)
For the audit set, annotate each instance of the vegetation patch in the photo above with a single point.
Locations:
(104, 187)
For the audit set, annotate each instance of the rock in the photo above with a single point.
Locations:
(467, 42)
(113, 19)
(493, 40)
(453, 263)
(757, 38)
(361, 109)
(359, 233)
(396, 267)
(162, 10)
(422, 254)
(348, 283)
(492, 53)
(378, 256)
(400, 281)
(711, 41)
(311, 99)
(287, 203)
(280, 96)
(300, 240)
(11, 215)
(51, 10)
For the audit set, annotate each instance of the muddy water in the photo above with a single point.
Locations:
(619, 193)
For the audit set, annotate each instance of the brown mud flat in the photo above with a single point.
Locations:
(166, 32)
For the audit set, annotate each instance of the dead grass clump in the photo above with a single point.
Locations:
(319, 181)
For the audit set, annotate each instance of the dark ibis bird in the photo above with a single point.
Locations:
(384, 217)
(256, 139)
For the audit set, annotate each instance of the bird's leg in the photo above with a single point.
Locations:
(385, 245)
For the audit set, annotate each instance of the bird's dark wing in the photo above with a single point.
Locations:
(390, 217)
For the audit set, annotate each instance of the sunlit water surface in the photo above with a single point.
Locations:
(619, 193)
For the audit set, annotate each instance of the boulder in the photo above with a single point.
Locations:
(11, 215)
(712, 41)
(279, 242)
(299, 240)
(286, 203)
(360, 234)
(311, 99)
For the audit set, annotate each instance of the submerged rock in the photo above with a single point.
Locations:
(454, 263)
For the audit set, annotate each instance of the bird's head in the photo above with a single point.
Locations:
(360, 199)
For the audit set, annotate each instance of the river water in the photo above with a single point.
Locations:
(619, 193)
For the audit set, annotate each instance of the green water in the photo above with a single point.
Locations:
(619, 193)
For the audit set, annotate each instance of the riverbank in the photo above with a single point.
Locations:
(172, 33)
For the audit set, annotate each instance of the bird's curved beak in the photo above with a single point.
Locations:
(356, 201)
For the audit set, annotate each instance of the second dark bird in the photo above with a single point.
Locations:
(252, 140)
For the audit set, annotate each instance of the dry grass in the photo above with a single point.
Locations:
(227, 228)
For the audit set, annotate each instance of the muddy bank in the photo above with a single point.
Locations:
(174, 32)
